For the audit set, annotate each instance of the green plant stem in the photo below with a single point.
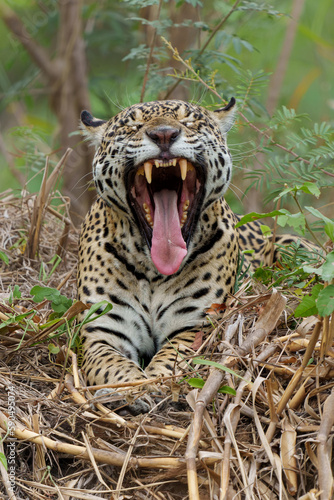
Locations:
(214, 31)
(306, 223)
(217, 28)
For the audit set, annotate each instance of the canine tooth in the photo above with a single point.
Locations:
(183, 168)
(148, 171)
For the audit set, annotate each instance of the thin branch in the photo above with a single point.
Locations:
(254, 127)
(264, 325)
(217, 28)
(150, 57)
(307, 224)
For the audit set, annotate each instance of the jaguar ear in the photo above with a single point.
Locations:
(92, 128)
(226, 116)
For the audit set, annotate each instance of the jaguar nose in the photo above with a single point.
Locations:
(163, 136)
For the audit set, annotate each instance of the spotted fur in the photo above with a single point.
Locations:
(155, 316)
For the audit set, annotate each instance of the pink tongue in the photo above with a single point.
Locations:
(168, 246)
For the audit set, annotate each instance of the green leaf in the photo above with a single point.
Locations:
(312, 270)
(94, 309)
(201, 361)
(4, 257)
(226, 389)
(285, 191)
(328, 267)
(310, 188)
(263, 274)
(16, 318)
(266, 231)
(3, 460)
(325, 301)
(307, 187)
(318, 214)
(250, 251)
(41, 293)
(255, 216)
(59, 303)
(329, 230)
(329, 224)
(297, 221)
(50, 323)
(326, 271)
(307, 307)
(196, 382)
(53, 349)
(316, 290)
(16, 292)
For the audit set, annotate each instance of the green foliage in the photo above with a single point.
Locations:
(308, 306)
(325, 301)
(256, 216)
(326, 271)
(298, 266)
(96, 311)
(198, 383)
(328, 223)
(59, 303)
(4, 258)
(249, 88)
(3, 460)
(43, 275)
(241, 272)
(15, 294)
(53, 349)
(290, 271)
(207, 362)
(306, 155)
(57, 321)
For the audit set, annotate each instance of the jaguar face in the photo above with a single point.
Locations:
(162, 163)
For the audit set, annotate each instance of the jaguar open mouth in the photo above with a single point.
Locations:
(165, 196)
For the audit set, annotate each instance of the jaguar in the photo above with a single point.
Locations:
(160, 242)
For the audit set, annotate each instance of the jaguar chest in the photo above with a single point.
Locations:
(151, 305)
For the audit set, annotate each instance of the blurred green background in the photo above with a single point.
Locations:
(58, 57)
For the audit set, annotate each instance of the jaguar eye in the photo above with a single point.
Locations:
(189, 122)
(136, 127)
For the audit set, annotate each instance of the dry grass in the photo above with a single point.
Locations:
(272, 440)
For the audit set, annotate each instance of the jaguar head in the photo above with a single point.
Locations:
(162, 163)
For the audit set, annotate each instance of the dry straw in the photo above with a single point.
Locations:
(273, 440)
